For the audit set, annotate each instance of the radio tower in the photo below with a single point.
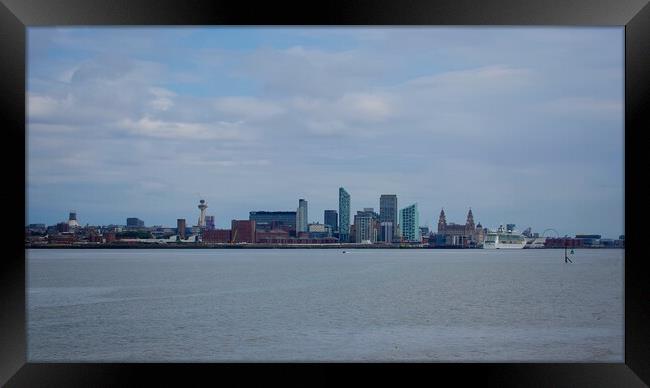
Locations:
(202, 207)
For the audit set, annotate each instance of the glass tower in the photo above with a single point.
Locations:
(301, 217)
(409, 220)
(344, 215)
(331, 218)
(388, 211)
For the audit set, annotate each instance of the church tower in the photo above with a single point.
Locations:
(469, 224)
(442, 221)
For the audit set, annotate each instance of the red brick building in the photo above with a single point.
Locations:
(243, 231)
(271, 236)
(217, 236)
(561, 242)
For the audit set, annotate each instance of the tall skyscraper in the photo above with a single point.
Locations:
(409, 220)
(366, 226)
(301, 216)
(202, 207)
(388, 211)
(344, 215)
(331, 218)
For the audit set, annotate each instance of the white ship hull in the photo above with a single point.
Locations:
(504, 239)
(503, 246)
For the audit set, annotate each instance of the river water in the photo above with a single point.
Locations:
(208, 305)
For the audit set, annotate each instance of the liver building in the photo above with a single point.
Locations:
(457, 235)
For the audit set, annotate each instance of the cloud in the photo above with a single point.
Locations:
(162, 98)
(584, 106)
(149, 127)
(247, 108)
(440, 116)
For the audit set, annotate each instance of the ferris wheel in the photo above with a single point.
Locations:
(557, 235)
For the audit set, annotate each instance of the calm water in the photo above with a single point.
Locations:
(322, 305)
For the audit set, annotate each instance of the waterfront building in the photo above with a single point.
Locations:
(180, 228)
(243, 231)
(330, 218)
(37, 228)
(209, 222)
(409, 221)
(424, 231)
(563, 242)
(72, 220)
(468, 235)
(278, 239)
(352, 235)
(273, 236)
(202, 206)
(589, 240)
(366, 226)
(344, 215)
(301, 216)
(269, 220)
(216, 236)
(388, 211)
(62, 227)
(387, 232)
(133, 222)
(620, 242)
(318, 230)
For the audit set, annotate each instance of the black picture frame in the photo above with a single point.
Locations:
(17, 15)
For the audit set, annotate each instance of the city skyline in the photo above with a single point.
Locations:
(523, 124)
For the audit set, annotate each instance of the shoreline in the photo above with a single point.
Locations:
(260, 246)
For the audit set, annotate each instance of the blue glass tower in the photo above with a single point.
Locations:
(409, 220)
(344, 215)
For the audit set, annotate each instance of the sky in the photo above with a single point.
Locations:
(523, 125)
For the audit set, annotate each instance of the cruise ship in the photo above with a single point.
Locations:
(504, 238)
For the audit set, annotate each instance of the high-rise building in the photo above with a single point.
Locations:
(133, 222)
(72, 220)
(388, 211)
(331, 218)
(344, 215)
(209, 222)
(366, 225)
(387, 232)
(301, 216)
(202, 206)
(180, 227)
(266, 221)
(409, 220)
